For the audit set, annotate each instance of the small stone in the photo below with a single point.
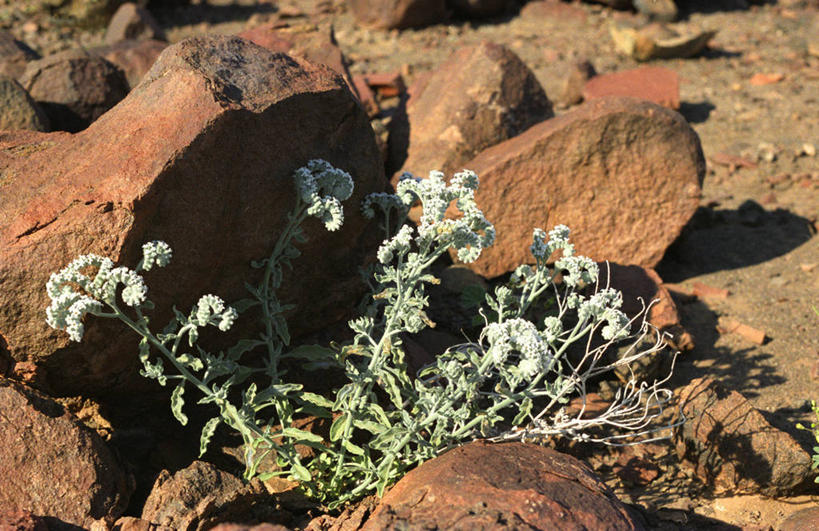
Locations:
(767, 151)
(579, 73)
(808, 150)
(807, 268)
(14, 55)
(134, 58)
(386, 84)
(731, 326)
(760, 79)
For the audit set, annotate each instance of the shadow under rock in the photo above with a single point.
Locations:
(696, 113)
(744, 370)
(718, 240)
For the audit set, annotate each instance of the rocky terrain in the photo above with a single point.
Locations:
(683, 152)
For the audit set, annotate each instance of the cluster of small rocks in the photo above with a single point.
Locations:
(194, 143)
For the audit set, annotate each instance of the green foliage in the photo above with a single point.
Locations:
(814, 427)
(511, 382)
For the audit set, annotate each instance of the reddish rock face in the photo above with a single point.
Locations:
(74, 88)
(398, 14)
(480, 96)
(733, 448)
(501, 486)
(132, 22)
(199, 496)
(623, 174)
(201, 155)
(17, 109)
(652, 83)
(314, 43)
(133, 57)
(51, 465)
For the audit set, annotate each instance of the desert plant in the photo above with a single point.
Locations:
(510, 382)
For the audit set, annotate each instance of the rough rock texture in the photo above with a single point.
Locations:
(652, 83)
(241, 527)
(501, 486)
(571, 92)
(316, 43)
(74, 88)
(132, 22)
(21, 521)
(480, 96)
(637, 283)
(53, 466)
(802, 520)
(134, 58)
(398, 14)
(479, 8)
(17, 109)
(200, 496)
(623, 174)
(214, 134)
(733, 448)
(14, 55)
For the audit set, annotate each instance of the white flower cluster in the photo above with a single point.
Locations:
(519, 335)
(323, 187)
(155, 253)
(69, 306)
(579, 269)
(602, 306)
(382, 200)
(469, 234)
(212, 308)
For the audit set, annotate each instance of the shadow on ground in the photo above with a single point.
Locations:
(718, 240)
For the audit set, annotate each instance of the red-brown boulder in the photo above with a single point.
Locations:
(74, 88)
(480, 96)
(733, 448)
(623, 174)
(652, 83)
(201, 154)
(316, 43)
(501, 486)
(53, 466)
(398, 14)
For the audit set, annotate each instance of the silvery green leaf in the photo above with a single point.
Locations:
(193, 335)
(372, 427)
(352, 448)
(316, 399)
(337, 428)
(389, 385)
(525, 410)
(242, 346)
(207, 433)
(378, 412)
(177, 402)
(180, 317)
(250, 394)
(300, 436)
(144, 350)
(300, 472)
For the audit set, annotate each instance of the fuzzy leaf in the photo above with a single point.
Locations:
(300, 472)
(352, 448)
(311, 353)
(372, 427)
(177, 402)
(207, 434)
(316, 400)
(337, 428)
(301, 435)
(525, 409)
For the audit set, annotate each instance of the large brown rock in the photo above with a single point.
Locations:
(733, 448)
(398, 14)
(133, 57)
(623, 174)
(14, 55)
(201, 155)
(74, 88)
(652, 83)
(17, 109)
(480, 96)
(501, 486)
(200, 496)
(53, 466)
(314, 42)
